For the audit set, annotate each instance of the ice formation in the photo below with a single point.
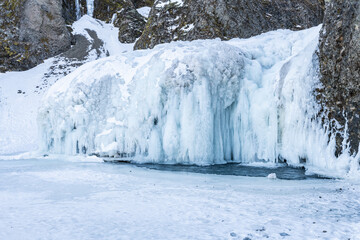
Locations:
(89, 7)
(201, 102)
(78, 12)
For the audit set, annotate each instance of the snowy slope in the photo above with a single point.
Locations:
(18, 111)
(200, 102)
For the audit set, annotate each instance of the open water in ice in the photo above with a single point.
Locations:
(282, 171)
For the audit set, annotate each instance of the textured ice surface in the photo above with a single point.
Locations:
(55, 199)
(201, 102)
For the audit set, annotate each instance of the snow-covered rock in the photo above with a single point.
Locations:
(200, 102)
(272, 176)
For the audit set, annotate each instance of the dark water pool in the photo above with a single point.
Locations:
(282, 171)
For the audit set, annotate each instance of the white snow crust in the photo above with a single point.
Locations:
(201, 102)
(144, 11)
(56, 199)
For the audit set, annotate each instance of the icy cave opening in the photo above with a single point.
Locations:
(202, 102)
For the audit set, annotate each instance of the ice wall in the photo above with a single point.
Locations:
(200, 102)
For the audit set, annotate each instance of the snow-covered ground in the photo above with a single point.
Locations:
(57, 199)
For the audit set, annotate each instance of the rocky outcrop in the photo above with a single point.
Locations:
(171, 20)
(131, 25)
(143, 3)
(339, 55)
(69, 11)
(105, 9)
(123, 14)
(31, 31)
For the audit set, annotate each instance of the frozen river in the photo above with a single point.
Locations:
(58, 199)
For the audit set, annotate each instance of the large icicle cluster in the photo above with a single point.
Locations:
(200, 102)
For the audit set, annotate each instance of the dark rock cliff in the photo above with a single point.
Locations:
(124, 16)
(143, 3)
(69, 11)
(31, 31)
(171, 20)
(339, 55)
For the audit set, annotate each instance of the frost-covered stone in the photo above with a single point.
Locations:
(172, 20)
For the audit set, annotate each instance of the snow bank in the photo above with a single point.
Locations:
(201, 102)
(106, 32)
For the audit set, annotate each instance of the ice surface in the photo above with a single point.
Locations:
(201, 102)
(56, 199)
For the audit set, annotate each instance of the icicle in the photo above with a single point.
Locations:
(78, 12)
(90, 7)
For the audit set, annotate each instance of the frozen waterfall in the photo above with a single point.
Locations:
(201, 102)
(78, 11)
(89, 7)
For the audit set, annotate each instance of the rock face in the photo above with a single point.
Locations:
(143, 3)
(30, 31)
(105, 9)
(124, 16)
(171, 20)
(339, 55)
(69, 11)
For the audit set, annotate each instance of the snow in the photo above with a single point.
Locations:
(161, 4)
(188, 27)
(105, 31)
(201, 102)
(272, 176)
(18, 131)
(58, 199)
(144, 11)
